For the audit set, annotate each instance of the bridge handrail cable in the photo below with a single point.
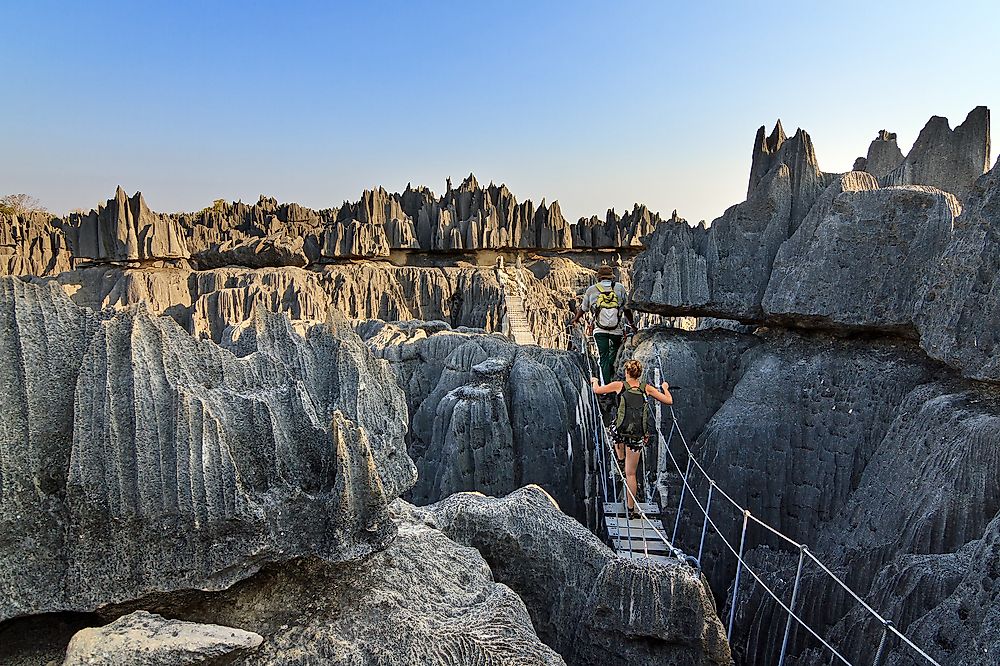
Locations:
(746, 514)
(888, 626)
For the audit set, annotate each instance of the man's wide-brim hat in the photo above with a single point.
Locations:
(605, 272)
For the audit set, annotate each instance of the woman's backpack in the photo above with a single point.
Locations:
(633, 417)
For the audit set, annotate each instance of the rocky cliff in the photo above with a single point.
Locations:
(487, 414)
(861, 419)
(137, 459)
(244, 488)
(591, 605)
(466, 218)
(824, 251)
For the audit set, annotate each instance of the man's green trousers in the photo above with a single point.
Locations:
(607, 349)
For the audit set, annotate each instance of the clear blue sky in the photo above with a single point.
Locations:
(596, 104)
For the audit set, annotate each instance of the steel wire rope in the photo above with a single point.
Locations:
(887, 625)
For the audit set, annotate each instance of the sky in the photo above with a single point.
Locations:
(595, 104)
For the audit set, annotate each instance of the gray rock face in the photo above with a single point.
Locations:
(722, 270)
(959, 312)
(206, 303)
(802, 423)
(914, 527)
(881, 461)
(489, 415)
(702, 367)
(125, 229)
(672, 274)
(468, 217)
(422, 600)
(272, 250)
(616, 231)
(905, 259)
(145, 638)
(965, 626)
(43, 339)
(950, 160)
(862, 261)
(163, 463)
(884, 155)
(32, 244)
(799, 156)
(589, 604)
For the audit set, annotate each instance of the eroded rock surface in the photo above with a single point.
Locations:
(422, 600)
(900, 257)
(151, 640)
(588, 603)
(723, 270)
(959, 313)
(884, 155)
(950, 160)
(879, 459)
(125, 229)
(862, 262)
(33, 244)
(488, 415)
(159, 462)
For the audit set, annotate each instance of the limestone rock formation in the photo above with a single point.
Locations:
(273, 250)
(879, 459)
(914, 527)
(884, 155)
(351, 238)
(965, 625)
(206, 303)
(488, 415)
(721, 270)
(616, 231)
(801, 409)
(160, 462)
(587, 603)
(792, 253)
(861, 261)
(806, 180)
(43, 340)
(950, 160)
(124, 229)
(32, 244)
(145, 638)
(422, 600)
(958, 316)
(236, 223)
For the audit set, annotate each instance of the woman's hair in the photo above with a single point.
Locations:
(633, 369)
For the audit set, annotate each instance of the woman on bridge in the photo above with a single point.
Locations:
(631, 428)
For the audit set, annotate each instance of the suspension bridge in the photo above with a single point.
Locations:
(645, 536)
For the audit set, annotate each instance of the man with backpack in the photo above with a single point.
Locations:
(631, 424)
(606, 301)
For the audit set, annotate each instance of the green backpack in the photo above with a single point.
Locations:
(608, 308)
(633, 417)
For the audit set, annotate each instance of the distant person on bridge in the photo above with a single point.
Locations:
(606, 301)
(631, 428)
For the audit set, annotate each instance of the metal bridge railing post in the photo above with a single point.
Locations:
(736, 581)
(680, 502)
(791, 606)
(882, 644)
(704, 524)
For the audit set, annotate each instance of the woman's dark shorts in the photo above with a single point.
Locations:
(634, 443)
